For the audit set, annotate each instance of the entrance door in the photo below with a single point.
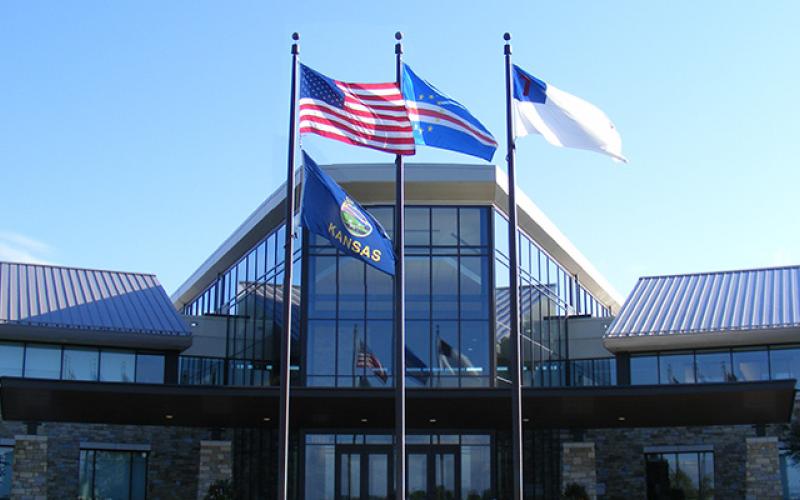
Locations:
(363, 472)
(433, 473)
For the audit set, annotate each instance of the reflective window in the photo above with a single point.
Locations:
(11, 359)
(444, 226)
(112, 474)
(680, 475)
(6, 470)
(417, 226)
(714, 367)
(644, 370)
(473, 226)
(790, 476)
(676, 369)
(117, 366)
(750, 365)
(43, 361)
(322, 287)
(785, 364)
(80, 364)
(150, 368)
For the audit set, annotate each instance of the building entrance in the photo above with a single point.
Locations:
(433, 472)
(363, 472)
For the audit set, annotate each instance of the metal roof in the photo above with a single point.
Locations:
(728, 301)
(84, 299)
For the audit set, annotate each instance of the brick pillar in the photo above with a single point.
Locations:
(763, 478)
(215, 465)
(578, 466)
(29, 472)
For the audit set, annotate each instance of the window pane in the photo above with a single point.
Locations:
(150, 368)
(475, 353)
(714, 367)
(6, 466)
(117, 366)
(351, 288)
(750, 365)
(350, 338)
(445, 287)
(43, 361)
(380, 344)
(474, 288)
(644, 370)
(11, 359)
(500, 234)
(785, 364)
(321, 357)
(418, 353)
(444, 227)
(322, 293)
(86, 475)
(418, 226)
(138, 476)
(418, 287)
(473, 226)
(380, 291)
(80, 364)
(677, 369)
(449, 359)
(112, 475)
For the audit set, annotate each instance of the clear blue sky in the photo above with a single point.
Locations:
(138, 135)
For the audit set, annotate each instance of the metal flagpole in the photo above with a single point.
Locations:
(516, 375)
(400, 309)
(286, 341)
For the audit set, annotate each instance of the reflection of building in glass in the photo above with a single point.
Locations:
(683, 391)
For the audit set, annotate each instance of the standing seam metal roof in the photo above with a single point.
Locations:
(753, 299)
(61, 297)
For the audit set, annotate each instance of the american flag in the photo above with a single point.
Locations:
(372, 115)
(366, 359)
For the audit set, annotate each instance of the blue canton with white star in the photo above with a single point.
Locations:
(314, 85)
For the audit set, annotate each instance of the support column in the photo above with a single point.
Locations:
(29, 476)
(578, 467)
(763, 470)
(215, 465)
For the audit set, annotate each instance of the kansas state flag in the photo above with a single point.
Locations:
(441, 122)
(328, 211)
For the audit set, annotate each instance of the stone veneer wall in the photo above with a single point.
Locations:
(763, 469)
(29, 474)
(620, 455)
(171, 467)
(215, 465)
(578, 466)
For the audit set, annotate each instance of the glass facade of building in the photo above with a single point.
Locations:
(456, 309)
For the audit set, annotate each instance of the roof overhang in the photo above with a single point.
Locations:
(701, 340)
(628, 406)
(373, 184)
(95, 338)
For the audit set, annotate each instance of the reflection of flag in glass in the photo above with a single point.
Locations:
(367, 359)
(451, 360)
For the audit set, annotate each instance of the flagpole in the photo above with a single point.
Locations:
(400, 307)
(286, 341)
(516, 375)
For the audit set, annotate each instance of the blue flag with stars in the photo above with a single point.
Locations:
(329, 212)
(441, 122)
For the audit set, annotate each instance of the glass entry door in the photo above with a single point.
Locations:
(363, 472)
(433, 473)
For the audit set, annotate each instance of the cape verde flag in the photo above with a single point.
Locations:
(327, 210)
(561, 118)
(441, 122)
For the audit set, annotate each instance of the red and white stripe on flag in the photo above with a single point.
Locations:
(373, 115)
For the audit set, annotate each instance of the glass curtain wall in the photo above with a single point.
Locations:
(447, 305)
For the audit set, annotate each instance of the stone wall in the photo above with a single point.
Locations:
(172, 461)
(29, 474)
(763, 480)
(215, 465)
(578, 467)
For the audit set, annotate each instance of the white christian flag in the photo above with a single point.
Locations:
(561, 118)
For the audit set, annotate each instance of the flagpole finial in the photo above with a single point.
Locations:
(295, 36)
(398, 35)
(506, 36)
